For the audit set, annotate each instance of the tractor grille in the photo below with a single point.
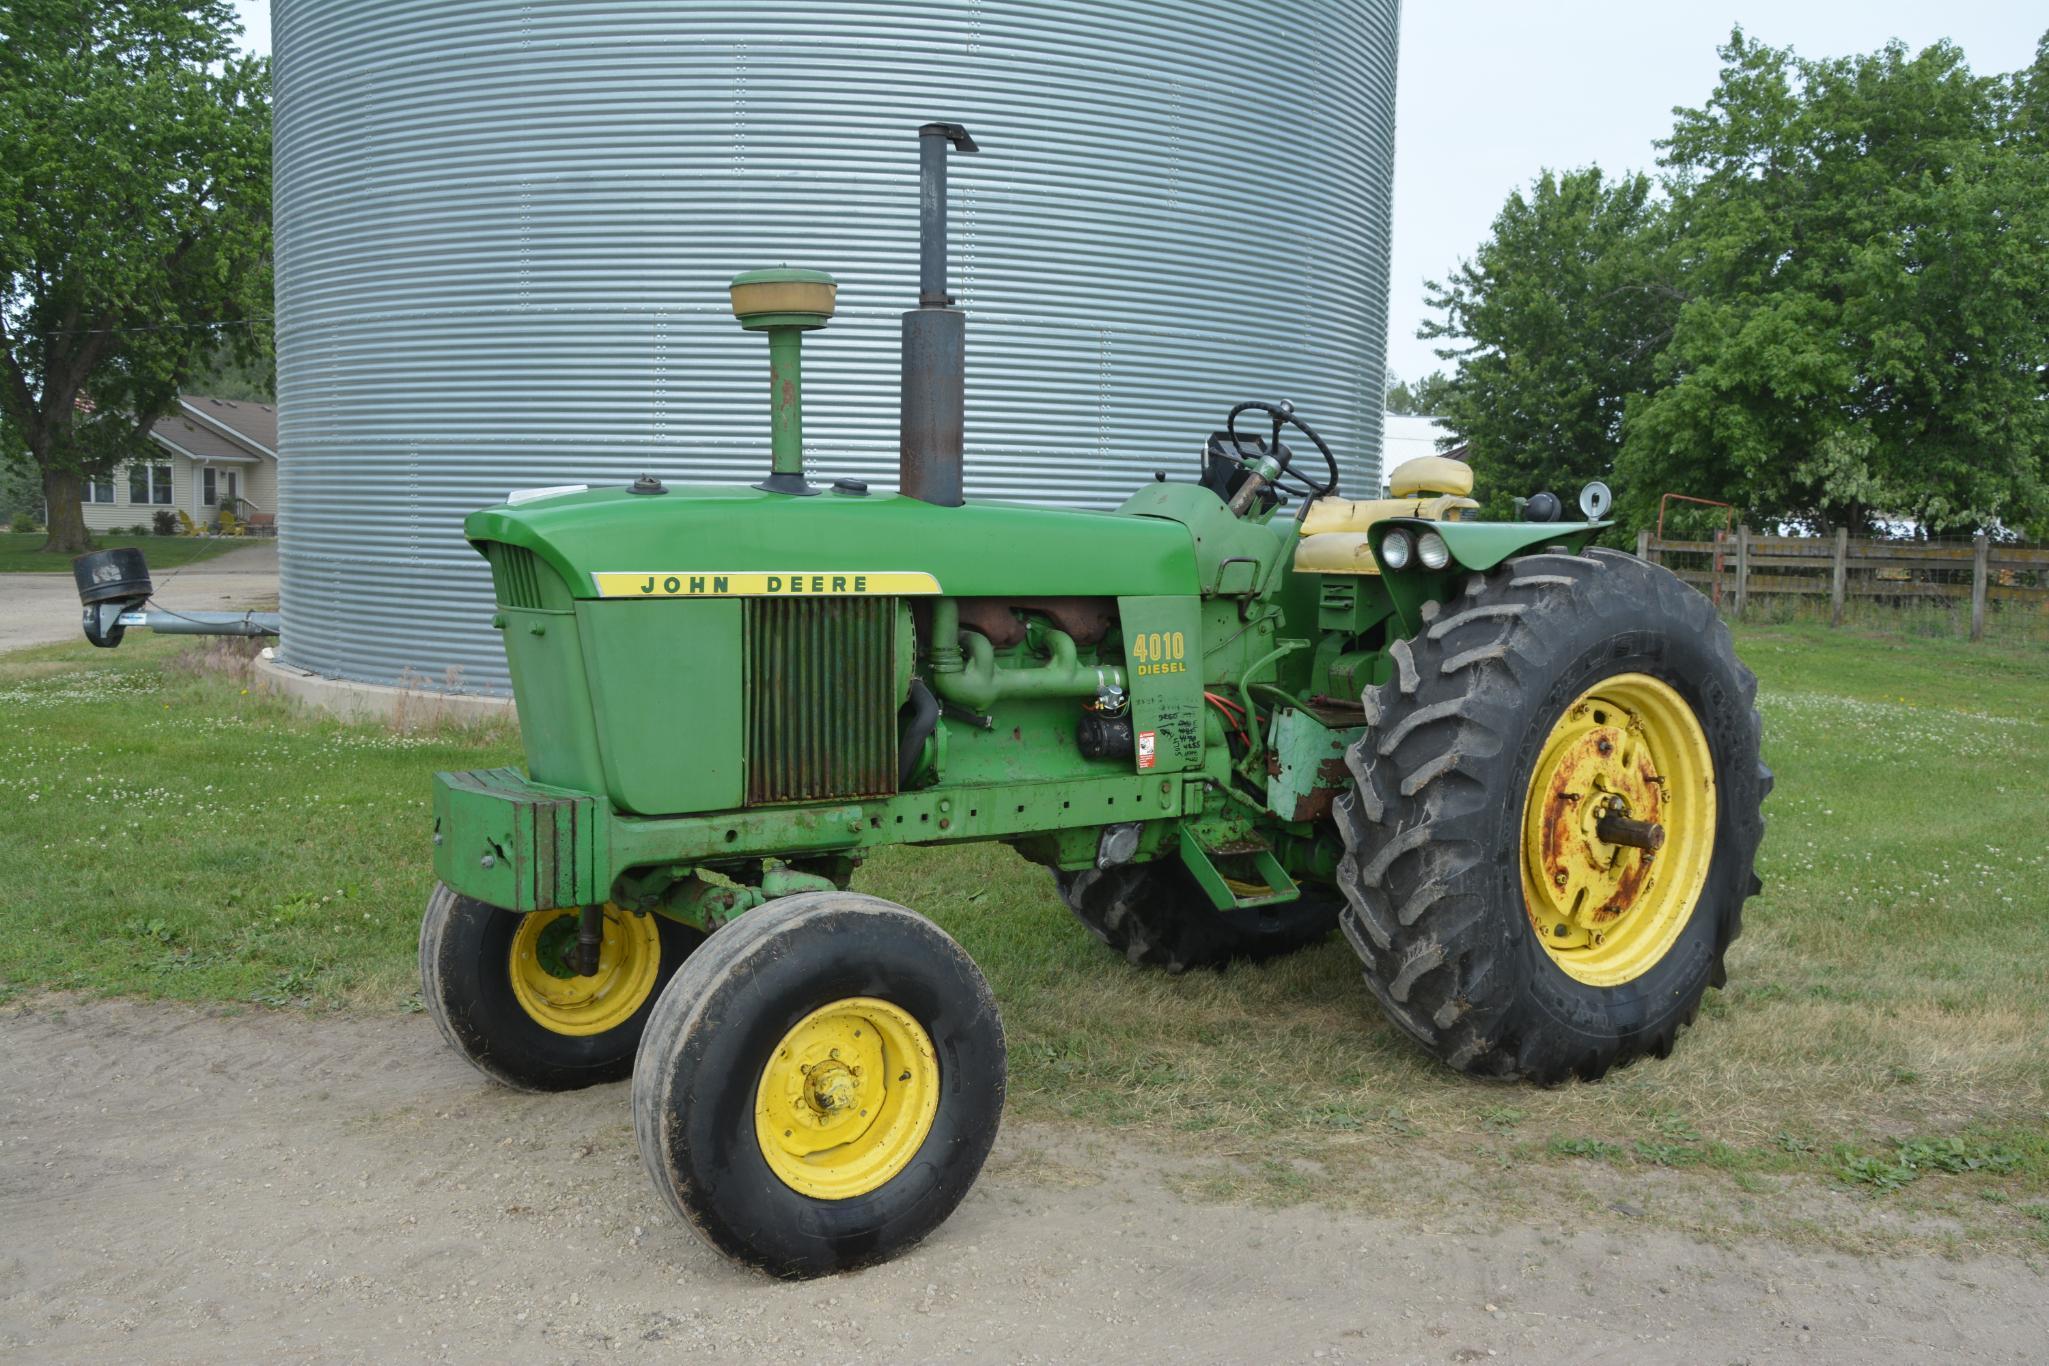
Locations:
(518, 573)
(821, 698)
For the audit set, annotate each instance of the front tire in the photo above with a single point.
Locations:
(818, 1089)
(496, 984)
(1158, 917)
(1497, 926)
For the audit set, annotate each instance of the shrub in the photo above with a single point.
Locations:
(21, 524)
(164, 522)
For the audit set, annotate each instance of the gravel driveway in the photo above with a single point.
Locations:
(42, 609)
(188, 1186)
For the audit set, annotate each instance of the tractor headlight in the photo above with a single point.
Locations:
(1432, 551)
(1396, 549)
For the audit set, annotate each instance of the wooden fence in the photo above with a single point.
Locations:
(1735, 566)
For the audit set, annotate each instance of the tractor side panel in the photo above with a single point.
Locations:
(545, 657)
(556, 727)
(665, 688)
(1163, 661)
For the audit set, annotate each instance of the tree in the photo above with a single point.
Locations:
(1554, 323)
(134, 224)
(1425, 398)
(21, 494)
(246, 372)
(1865, 264)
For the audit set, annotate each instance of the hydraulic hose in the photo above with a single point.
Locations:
(924, 720)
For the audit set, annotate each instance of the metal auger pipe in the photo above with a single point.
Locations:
(114, 589)
(168, 623)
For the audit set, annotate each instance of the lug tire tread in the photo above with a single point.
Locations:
(1157, 917)
(1420, 910)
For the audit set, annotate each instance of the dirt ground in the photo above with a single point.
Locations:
(42, 609)
(181, 1186)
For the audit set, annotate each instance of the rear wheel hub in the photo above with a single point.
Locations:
(1618, 829)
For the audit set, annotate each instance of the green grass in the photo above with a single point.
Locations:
(173, 835)
(1882, 1036)
(22, 553)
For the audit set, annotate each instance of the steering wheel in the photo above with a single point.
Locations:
(1283, 415)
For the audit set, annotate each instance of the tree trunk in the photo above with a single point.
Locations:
(62, 490)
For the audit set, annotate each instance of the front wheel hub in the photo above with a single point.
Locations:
(550, 985)
(831, 1087)
(847, 1098)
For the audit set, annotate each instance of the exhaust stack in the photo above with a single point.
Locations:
(934, 341)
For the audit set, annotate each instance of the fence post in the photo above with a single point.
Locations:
(1643, 545)
(1839, 578)
(1979, 575)
(1742, 569)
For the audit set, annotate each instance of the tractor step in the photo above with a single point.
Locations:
(1237, 873)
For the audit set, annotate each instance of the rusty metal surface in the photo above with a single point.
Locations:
(993, 618)
(821, 688)
(1088, 620)
(1306, 766)
(1633, 834)
(933, 426)
(1571, 845)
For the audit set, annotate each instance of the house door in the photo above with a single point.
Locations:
(234, 502)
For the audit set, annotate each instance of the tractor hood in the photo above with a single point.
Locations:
(610, 543)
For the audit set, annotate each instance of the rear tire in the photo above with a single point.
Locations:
(1157, 917)
(740, 1036)
(467, 982)
(1439, 824)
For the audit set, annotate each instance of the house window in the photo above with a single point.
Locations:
(99, 489)
(207, 494)
(149, 484)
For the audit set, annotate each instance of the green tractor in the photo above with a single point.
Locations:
(1519, 772)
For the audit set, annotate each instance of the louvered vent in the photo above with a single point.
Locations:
(821, 698)
(518, 574)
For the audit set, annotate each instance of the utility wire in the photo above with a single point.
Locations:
(155, 327)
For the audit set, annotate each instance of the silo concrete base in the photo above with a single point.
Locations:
(404, 707)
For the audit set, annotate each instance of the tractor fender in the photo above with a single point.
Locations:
(1483, 545)
(1474, 546)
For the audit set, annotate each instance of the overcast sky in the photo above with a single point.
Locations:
(1492, 91)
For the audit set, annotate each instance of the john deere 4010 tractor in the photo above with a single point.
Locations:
(1518, 772)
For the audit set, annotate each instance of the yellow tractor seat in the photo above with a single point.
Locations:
(1335, 552)
(1347, 514)
(1432, 487)
(1431, 474)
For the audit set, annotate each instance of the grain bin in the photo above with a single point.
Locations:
(504, 235)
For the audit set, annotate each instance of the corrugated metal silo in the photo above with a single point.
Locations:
(504, 235)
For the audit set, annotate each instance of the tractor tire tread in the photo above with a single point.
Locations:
(1416, 876)
(695, 1078)
(1156, 916)
(462, 943)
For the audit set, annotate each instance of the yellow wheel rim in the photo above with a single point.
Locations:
(847, 1098)
(558, 999)
(1628, 749)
